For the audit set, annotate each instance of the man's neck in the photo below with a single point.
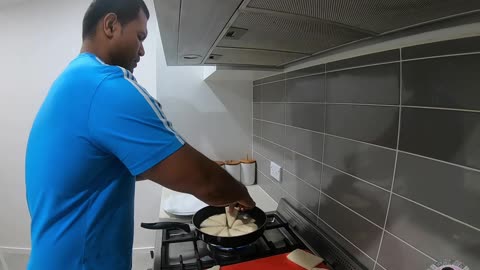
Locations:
(89, 46)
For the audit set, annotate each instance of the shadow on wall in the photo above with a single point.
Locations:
(214, 117)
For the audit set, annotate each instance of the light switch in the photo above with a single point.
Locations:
(275, 171)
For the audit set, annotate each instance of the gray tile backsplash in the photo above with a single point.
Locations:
(365, 199)
(306, 89)
(452, 136)
(368, 162)
(430, 82)
(364, 60)
(257, 128)
(273, 92)
(448, 47)
(273, 152)
(304, 115)
(357, 253)
(372, 124)
(257, 93)
(301, 191)
(273, 132)
(434, 234)
(415, 177)
(395, 199)
(257, 110)
(305, 168)
(370, 85)
(396, 255)
(305, 142)
(274, 112)
(359, 231)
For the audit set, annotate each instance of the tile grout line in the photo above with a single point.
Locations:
(293, 102)
(364, 66)
(325, 72)
(438, 212)
(356, 177)
(321, 163)
(321, 192)
(411, 246)
(441, 108)
(253, 123)
(361, 66)
(441, 161)
(362, 104)
(346, 239)
(360, 179)
(284, 127)
(346, 103)
(300, 154)
(331, 135)
(288, 193)
(440, 56)
(260, 84)
(365, 181)
(381, 266)
(305, 76)
(283, 168)
(375, 105)
(396, 159)
(351, 210)
(323, 141)
(366, 143)
(303, 181)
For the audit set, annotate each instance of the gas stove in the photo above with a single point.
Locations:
(286, 230)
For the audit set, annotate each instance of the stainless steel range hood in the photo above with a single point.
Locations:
(275, 33)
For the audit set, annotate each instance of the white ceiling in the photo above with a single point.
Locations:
(5, 3)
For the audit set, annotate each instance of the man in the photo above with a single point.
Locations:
(97, 131)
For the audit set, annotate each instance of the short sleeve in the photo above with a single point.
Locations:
(127, 122)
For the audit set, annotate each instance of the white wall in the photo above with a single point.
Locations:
(39, 38)
(37, 43)
(212, 116)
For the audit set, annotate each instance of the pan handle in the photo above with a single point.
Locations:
(166, 225)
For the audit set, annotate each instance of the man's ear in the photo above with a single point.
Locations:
(110, 23)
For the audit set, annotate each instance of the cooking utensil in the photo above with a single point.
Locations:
(226, 242)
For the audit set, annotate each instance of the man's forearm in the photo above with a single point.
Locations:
(222, 189)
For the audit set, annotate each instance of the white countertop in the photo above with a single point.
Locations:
(263, 200)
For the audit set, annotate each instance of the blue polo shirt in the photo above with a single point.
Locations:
(96, 130)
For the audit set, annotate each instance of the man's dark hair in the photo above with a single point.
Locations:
(126, 11)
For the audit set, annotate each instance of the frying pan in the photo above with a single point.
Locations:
(226, 242)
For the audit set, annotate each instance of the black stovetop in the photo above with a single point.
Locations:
(286, 230)
(181, 250)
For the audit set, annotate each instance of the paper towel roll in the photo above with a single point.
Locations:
(233, 168)
(248, 172)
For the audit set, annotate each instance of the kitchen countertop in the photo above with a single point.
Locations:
(263, 200)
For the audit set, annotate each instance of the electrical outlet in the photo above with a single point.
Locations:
(275, 171)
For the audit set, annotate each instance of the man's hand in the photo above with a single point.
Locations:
(243, 204)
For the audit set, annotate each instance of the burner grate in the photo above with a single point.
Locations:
(277, 239)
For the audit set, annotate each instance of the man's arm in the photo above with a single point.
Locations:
(189, 171)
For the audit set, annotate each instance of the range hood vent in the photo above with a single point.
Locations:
(275, 33)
